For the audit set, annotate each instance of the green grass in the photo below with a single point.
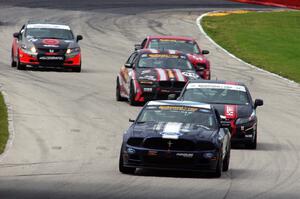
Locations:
(270, 40)
(3, 124)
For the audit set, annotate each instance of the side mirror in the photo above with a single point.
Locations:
(258, 102)
(205, 52)
(131, 120)
(137, 46)
(225, 124)
(16, 35)
(79, 37)
(127, 65)
(172, 97)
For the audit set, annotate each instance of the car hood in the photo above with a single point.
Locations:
(230, 111)
(196, 58)
(171, 130)
(51, 43)
(161, 74)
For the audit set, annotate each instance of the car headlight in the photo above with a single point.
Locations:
(29, 50)
(33, 49)
(72, 50)
(246, 120)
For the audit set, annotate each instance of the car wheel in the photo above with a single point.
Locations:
(13, 63)
(118, 91)
(122, 169)
(20, 66)
(253, 144)
(132, 95)
(226, 160)
(219, 167)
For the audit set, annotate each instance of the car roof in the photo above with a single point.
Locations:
(155, 51)
(217, 82)
(179, 103)
(172, 37)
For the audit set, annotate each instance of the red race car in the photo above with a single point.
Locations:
(46, 45)
(150, 74)
(186, 45)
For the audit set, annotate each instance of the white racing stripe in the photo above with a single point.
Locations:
(162, 74)
(172, 127)
(179, 75)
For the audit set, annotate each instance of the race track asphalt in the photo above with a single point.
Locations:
(68, 126)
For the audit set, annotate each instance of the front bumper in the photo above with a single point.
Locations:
(169, 159)
(42, 60)
(244, 133)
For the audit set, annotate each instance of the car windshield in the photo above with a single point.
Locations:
(178, 114)
(40, 33)
(169, 44)
(221, 94)
(168, 61)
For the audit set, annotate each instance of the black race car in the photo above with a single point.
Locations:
(234, 103)
(151, 74)
(176, 135)
(46, 45)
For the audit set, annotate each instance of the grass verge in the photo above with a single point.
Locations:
(269, 40)
(3, 124)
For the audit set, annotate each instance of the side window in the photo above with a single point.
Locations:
(143, 43)
(131, 58)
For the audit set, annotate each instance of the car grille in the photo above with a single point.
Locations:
(47, 50)
(171, 84)
(168, 144)
(137, 142)
(205, 146)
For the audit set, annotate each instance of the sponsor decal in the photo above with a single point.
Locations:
(217, 86)
(230, 111)
(51, 46)
(190, 75)
(51, 58)
(179, 108)
(185, 155)
(50, 41)
(163, 56)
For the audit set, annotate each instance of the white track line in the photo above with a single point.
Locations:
(199, 19)
(11, 128)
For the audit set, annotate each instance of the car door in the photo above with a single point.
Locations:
(126, 72)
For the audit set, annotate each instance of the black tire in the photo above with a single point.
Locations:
(20, 66)
(77, 69)
(122, 169)
(219, 167)
(226, 160)
(131, 99)
(253, 144)
(118, 92)
(13, 63)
